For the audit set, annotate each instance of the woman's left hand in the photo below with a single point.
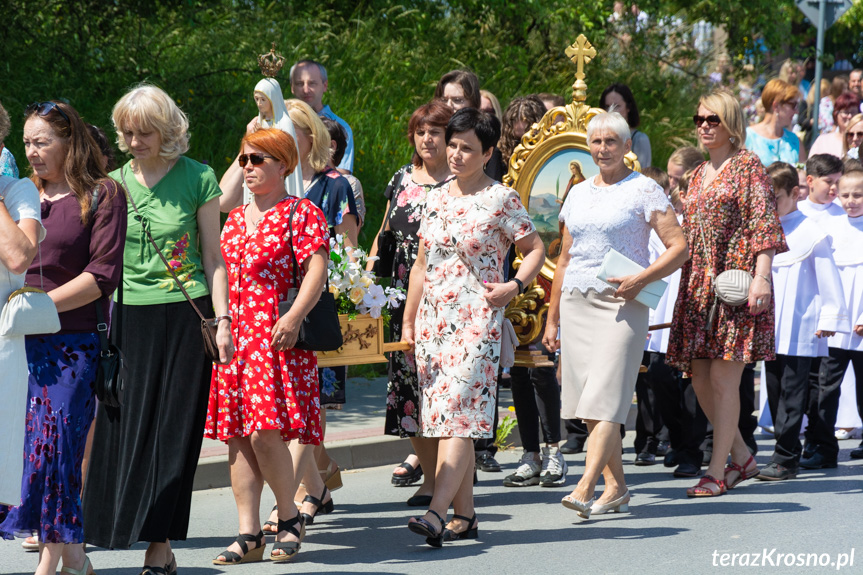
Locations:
(759, 296)
(499, 295)
(225, 342)
(285, 333)
(628, 286)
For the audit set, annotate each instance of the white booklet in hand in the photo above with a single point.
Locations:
(617, 265)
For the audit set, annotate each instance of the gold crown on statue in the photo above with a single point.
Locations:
(271, 63)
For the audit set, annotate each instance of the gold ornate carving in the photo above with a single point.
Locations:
(271, 63)
(527, 313)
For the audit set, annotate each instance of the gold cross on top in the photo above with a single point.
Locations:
(581, 52)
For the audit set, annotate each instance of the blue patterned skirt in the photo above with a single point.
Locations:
(61, 405)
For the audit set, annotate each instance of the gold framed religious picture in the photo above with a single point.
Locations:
(553, 156)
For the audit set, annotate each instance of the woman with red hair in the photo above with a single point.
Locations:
(268, 394)
(846, 107)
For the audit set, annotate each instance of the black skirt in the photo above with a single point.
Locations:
(139, 483)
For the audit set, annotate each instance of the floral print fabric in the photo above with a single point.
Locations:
(407, 202)
(737, 212)
(458, 333)
(60, 407)
(260, 389)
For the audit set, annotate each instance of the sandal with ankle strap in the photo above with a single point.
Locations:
(422, 527)
(743, 475)
(256, 554)
(320, 506)
(472, 531)
(171, 568)
(273, 526)
(86, 569)
(289, 548)
(701, 491)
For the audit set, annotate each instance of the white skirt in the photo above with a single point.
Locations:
(602, 343)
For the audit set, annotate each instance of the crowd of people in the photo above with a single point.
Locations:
(143, 244)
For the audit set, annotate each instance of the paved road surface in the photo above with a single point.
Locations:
(526, 530)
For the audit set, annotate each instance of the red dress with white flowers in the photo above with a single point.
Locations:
(458, 333)
(260, 389)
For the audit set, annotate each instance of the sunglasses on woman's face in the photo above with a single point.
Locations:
(256, 159)
(854, 135)
(44, 108)
(712, 120)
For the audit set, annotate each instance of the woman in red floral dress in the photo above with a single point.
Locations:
(731, 200)
(268, 394)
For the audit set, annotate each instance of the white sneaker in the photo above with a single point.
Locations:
(527, 472)
(856, 433)
(553, 468)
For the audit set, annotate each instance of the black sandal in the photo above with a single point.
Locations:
(412, 476)
(171, 568)
(290, 548)
(320, 506)
(256, 554)
(423, 527)
(273, 524)
(472, 531)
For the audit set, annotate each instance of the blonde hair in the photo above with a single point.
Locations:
(149, 107)
(305, 119)
(786, 69)
(687, 157)
(494, 103)
(851, 123)
(725, 105)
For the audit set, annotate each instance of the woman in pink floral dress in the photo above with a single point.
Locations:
(268, 394)
(454, 313)
(730, 200)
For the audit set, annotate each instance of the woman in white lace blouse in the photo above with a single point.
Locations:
(602, 339)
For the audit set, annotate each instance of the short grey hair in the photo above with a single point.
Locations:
(611, 121)
(302, 63)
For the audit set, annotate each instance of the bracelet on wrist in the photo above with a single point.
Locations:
(765, 278)
(519, 284)
(219, 318)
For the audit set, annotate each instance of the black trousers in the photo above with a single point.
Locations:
(536, 396)
(830, 379)
(746, 422)
(679, 409)
(812, 397)
(648, 420)
(787, 395)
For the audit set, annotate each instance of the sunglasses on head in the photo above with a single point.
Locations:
(256, 159)
(712, 120)
(44, 108)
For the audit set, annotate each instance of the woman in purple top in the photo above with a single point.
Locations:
(84, 214)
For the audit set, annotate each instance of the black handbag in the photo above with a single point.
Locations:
(111, 371)
(320, 329)
(383, 266)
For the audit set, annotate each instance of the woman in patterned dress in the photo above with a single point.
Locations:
(268, 394)
(731, 200)
(79, 265)
(454, 313)
(406, 194)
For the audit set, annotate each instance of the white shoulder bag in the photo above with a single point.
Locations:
(29, 311)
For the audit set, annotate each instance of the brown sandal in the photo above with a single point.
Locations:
(743, 475)
(701, 490)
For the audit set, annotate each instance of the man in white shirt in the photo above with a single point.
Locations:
(308, 83)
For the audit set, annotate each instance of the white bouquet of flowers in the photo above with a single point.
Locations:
(354, 288)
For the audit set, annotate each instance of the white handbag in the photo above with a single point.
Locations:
(508, 343)
(616, 265)
(29, 311)
(732, 287)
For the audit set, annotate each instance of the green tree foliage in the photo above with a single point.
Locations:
(383, 59)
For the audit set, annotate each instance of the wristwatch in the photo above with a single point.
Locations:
(219, 318)
(519, 284)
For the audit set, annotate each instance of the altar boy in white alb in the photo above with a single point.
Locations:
(822, 175)
(847, 347)
(810, 307)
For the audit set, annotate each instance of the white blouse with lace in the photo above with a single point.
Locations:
(603, 218)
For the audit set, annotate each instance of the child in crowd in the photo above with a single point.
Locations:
(810, 307)
(822, 176)
(843, 348)
(803, 184)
